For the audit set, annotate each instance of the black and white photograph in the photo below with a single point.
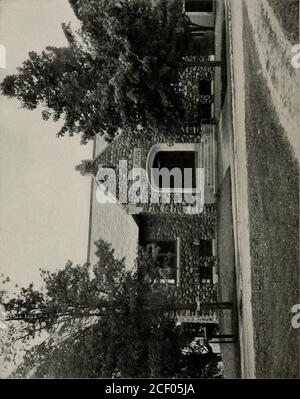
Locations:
(149, 191)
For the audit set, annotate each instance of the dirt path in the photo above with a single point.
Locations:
(240, 190)
(275, 54)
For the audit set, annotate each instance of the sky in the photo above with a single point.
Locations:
(44, 202)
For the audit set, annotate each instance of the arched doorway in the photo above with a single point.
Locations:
(180, 161)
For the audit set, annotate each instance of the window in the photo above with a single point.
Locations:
(206, 274)
(203, 248)
(167, 257)
(164, 253)
(205, 87)
(205, 112)
(206, 248)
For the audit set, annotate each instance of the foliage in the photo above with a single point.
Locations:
(119, 71)
(98, 320)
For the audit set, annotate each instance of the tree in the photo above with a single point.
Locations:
(97, 321)
(120, 71)
(101, 321)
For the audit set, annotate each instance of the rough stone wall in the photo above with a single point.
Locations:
(124, 150)
(189, 229)
(168, 221)
(126, 145)
(190, 87)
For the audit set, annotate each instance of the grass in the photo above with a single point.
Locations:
(227, 282)
(274, 224)
(287, 12)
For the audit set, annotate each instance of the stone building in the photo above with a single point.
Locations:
(184, 242)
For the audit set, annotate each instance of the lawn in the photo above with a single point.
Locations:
(273, 188)
(287, 12)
